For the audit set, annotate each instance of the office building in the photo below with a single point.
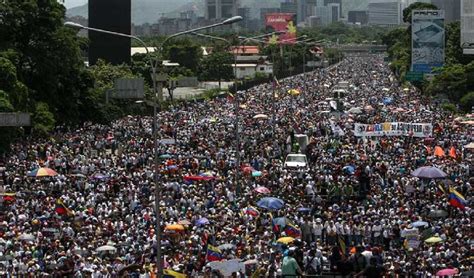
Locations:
(221, 9)
(385, 12)
(339, 2)
(290, 6)
(112, 15)
(452, 9)
(328, 14)
(358, 17)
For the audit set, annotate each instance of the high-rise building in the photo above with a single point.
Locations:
(452, 9)
(290, 6)
(358, 17)
(111, 15)
(385, 12)
(327, 2)
(305, 9)
(328, 14)
(221, 9)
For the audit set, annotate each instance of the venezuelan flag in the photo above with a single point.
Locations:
(61, 208)
(252, 211)
(456, 199)
(275, 227)
(291, 230)
(213, 254)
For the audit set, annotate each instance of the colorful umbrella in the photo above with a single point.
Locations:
(447, 272)
(262, 190)
(304, 209)
(42, 172)
(256, 174)
(174, 227)
(99, 176)
(197, 178)
(294, 92)
(165, 156)
(286, 240)
(106, 248)
(225, 246)
(270, 203)
(439, 213)
(260, 116)
(202, 221)
(429, 172)
(280, 221)
(184, 222)
(420, 224)
(434, 239)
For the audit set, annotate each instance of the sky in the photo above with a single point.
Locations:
(74, 3)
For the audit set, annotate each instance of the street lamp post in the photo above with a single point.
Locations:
(157, 93)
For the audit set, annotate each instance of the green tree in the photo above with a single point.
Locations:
(217, 67)
(48, 60)
(43, 120)
(186, 54)
(467, 102)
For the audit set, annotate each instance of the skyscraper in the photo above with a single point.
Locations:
(327, 2)
(452, 9)
(385, 12)
(221, 9)
(112, 15)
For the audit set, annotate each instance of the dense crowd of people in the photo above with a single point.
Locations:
(356, 209)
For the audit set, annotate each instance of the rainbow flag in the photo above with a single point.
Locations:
(61, 208)
(213, 254)
(291, 230)
(456, 199)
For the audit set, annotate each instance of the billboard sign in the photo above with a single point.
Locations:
(15, 119)
(282, 22)
(393, 129)
(467, 24)
(428, 40)
(128, 88)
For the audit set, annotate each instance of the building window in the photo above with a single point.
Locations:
(242, 69)
(262, 68)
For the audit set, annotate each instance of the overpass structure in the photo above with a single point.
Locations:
(360, 49)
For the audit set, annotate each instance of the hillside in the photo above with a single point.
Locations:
(142, 10)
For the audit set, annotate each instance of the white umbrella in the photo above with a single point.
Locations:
(106, 248)
(27, 237)
(469, 146)
(386, 89)
(355, 110)
(260, 116)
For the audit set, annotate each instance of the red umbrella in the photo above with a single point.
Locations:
(262, 190)
(248, 170)
(197, 178)
(447, 272)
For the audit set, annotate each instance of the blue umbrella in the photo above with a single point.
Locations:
(280, 221)
(172, 167)
(256, 174)
(349, 169)
(270, 203)
(387, 100)
(165, 156)
(100, 176)
(420, 224)
(429, 172)
(202, 221)
(304, 209)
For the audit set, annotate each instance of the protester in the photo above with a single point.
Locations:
(356, 208)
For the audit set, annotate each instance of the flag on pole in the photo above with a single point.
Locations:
(213, 254)
(230, 97)
(62, 209)
(456, 199)
(291, 230)
(275, 227)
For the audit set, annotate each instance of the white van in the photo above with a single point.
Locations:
(296, 160)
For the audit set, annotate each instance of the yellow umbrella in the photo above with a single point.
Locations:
(293, 92)
(175, 227)
(172, 273)
(433, 239)
(285, 240)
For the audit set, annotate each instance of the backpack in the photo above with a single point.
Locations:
(309, 269)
